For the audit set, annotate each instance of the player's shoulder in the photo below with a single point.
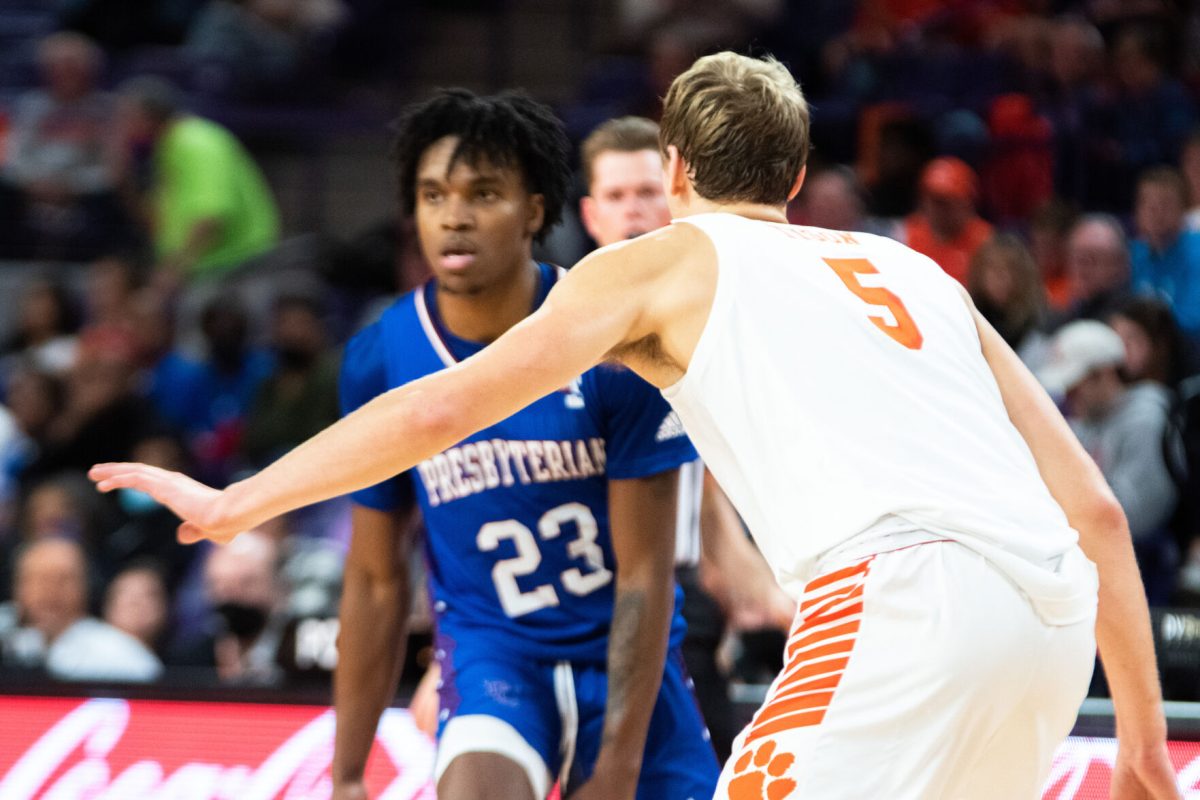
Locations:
(367, 348)
(657, 250)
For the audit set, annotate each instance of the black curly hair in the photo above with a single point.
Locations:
(507, 130)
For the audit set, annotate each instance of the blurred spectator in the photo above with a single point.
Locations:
(170, 380)
(945, 226)
(211, 206)
(136, 603)
(1097, 268)
(258, 49)
(101, 417)
(1189, 165)
(57, 196)
(1155, 348)
(148, 529)
(1018, 176)
(45, 334)
(299, 398)
(34, 400)
(832, 197)
(245, 590)
(1165, 258)
(125, 24)
(110, 287)
(1076, 67)
(622, 171)
(1048, 232)
(1004, 283)
(1142, 123)
(55, 631)
(1122, 427)
(230, 376)
(67, 506)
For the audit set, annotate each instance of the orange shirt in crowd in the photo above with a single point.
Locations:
(952, 255)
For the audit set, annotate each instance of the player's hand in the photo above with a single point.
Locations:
(424, 704)
(1143, 775)
(193, 502)
(350, 790)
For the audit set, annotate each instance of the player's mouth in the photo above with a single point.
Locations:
(457, 257)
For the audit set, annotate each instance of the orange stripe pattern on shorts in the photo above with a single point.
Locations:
(818, 651)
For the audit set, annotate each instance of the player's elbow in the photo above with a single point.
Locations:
(1103, 513)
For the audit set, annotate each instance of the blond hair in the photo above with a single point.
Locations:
(620, 135)
(741, 124)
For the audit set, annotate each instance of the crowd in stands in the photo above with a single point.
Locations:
(1044, 153)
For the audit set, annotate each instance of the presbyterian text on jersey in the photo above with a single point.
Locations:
(475, 467)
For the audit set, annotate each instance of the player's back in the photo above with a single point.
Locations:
(839, 388)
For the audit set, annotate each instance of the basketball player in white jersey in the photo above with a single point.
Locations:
(903, 473)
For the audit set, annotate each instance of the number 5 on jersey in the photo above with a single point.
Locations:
(905, 330)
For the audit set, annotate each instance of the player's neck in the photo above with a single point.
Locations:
(485, 315)
(761, 211)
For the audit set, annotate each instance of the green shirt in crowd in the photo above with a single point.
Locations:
(203, 172)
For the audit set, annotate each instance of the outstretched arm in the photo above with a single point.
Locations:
(596, 308)
(1123, 619)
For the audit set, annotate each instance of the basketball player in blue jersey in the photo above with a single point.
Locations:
(523, 573)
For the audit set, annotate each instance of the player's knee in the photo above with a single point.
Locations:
(485, 776)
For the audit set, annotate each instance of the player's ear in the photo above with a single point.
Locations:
(587, 214)
(799, 182)
(675, 173)
(537, 214)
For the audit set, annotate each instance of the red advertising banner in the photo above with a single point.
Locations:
(109, 749)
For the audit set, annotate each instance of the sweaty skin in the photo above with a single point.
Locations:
(645, 303)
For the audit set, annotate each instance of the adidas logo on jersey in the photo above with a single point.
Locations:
(671, 428)
(574, 394)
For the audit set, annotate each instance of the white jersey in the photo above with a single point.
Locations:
(838, 392)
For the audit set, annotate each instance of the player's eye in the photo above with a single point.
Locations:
(488, 195)
(430, 196)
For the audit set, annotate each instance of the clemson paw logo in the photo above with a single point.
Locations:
(759, 775)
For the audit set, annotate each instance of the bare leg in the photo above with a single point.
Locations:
(484, 776)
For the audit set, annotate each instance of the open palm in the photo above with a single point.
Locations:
(193, 502)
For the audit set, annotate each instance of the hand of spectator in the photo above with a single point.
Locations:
(1143, 775)
(196, 504)
(424, 704)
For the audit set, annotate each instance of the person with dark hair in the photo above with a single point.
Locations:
(531, 592)
(1004, 283)
(298, 397)
(45, 335)
(1155, 347)
(210, 205)
(1165, 257)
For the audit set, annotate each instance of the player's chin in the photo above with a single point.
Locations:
(458, 283)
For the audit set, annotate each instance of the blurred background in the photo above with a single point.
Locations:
(197, 209)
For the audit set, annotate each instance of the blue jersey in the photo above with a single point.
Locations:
(518, 542)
